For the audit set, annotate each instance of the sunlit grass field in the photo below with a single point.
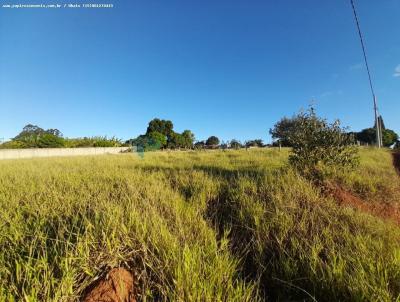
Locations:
(196, 226)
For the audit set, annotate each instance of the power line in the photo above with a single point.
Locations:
(363, 47)
(377, 123)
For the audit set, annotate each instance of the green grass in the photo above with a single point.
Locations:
(375, 180)
(195, 226)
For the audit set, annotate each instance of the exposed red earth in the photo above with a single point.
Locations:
(117, 286)
(383, 210)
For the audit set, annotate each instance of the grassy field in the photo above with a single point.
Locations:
(197, 226)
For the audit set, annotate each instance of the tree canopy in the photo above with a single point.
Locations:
(164, 127)
(33, 136)
(212, 141)
(254, 143)
(368, 136)
(160, 134)
(188, 139)
(283, 129)
(235, 144)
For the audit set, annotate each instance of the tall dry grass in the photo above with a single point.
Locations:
(193, 226)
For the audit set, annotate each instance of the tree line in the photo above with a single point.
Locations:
(160, 134)
(33, 136)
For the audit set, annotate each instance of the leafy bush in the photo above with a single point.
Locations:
(48, 140)
(106, 142)
(319, 145)
(96, 141)
(13, 145)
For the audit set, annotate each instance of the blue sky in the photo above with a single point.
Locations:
(226, 68)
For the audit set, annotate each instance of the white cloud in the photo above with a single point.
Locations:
(397, 71)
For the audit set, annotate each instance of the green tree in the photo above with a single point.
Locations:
(33, 136)
(158, 138)
(318, 145)
(188, 139)
(175, 141)
(29, 135)
(254, 143)
(162, 126)
(28, 132)
(283, 129)
(54, 132)
(212, 141)
(368, 136)
(389, 137)
(235, 144)
(200, 145)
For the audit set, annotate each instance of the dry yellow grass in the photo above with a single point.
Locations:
(194, 226)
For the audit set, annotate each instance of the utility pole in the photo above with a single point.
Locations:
(378, 129)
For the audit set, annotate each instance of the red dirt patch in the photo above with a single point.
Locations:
(117, 286)
(345, 198)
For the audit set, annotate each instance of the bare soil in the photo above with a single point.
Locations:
(383, 210)
(117, 286)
